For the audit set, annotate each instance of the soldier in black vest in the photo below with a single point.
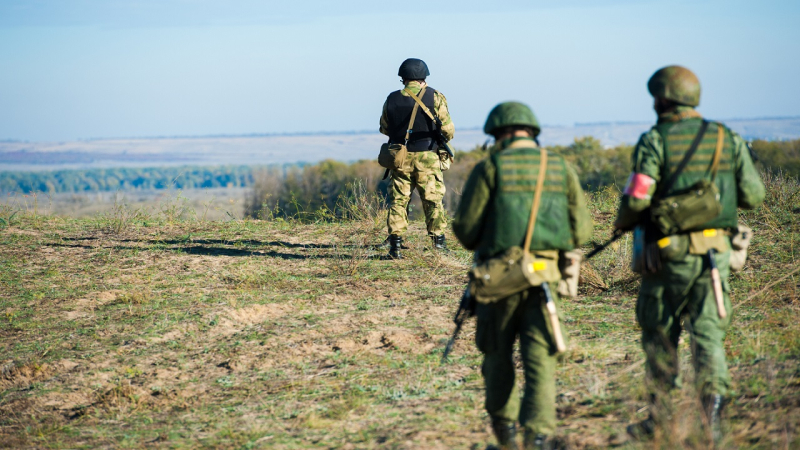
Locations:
(426, 159)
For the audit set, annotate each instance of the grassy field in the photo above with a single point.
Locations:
(138, 329)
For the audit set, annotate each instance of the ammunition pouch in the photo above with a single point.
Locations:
(445, 161)
(700, 242)
(511, 272)
(687, 211)
(392, 156)
(740, 241)
(569, 266)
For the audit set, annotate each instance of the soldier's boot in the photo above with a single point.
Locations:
(646, 428)
(386, 244)
(506, 434)
(642, 430)
(395, 244)
(439, 242)
(712, 406)
(538, 441)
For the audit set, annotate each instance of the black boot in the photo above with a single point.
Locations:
(395, 244)
(438, 242)
(712, 406)
(506, 434)
(642, 430)
(647, 428)
(538, 441)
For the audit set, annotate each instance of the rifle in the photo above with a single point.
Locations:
(618, 233)
(466, 309)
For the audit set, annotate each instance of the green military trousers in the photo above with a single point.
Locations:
(683, 287)
(499, 324)
(421, 170)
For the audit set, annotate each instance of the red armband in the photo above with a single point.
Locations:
(638, 186)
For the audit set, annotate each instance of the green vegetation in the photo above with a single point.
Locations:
(94, 180)
(158, 329)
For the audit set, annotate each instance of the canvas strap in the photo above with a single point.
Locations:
(537, 196)
(413, 112)
(425, 109)
(717, 152)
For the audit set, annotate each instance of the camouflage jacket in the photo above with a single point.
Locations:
(648, 161)
(439, 109)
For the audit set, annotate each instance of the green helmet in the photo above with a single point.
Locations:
(509, 114)
(677, 84)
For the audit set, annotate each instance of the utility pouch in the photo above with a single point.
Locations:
(673, 247)
(393, 155)
(569, 265)
(445, 161)
(511, 272)
(516, 269)
(740, 241)
(700, 242)
(696, 205)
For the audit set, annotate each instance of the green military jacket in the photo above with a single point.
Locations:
(659, 152)
(496, 202)
(439, 109)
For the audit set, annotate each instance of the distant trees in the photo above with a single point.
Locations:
(93, 180)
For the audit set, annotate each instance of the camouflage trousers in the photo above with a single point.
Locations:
(524, 315)
(682, 289)
(421, 171)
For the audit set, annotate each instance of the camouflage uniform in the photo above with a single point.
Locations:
(422, 171)
(492, 216)
(683, 285)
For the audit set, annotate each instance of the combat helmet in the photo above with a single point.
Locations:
(413, 69)
(508, 114)
(677, 84)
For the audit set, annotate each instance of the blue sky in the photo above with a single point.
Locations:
(75, 69)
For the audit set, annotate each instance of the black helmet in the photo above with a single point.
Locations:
(413, 69)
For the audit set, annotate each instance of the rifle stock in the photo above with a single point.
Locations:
(466, 309)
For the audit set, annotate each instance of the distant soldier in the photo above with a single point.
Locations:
(492, 217)
(689, 176)
(423, 166)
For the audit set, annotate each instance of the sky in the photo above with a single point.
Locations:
(82, 69)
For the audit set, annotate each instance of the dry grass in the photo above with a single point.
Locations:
(276, 334)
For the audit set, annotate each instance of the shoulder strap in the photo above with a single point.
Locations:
(413, 111)
(537, 196)
(687, 157)
(717, 151)
(419, 102)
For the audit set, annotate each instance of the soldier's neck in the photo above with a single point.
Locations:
(678, 113)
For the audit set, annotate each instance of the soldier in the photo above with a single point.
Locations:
(682, 287)
(423, 166)
(492, 216)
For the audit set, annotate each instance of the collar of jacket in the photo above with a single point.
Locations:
(414, 86)
(515, 142)
(678, 114)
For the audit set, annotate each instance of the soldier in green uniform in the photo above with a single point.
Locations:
(492, 217)
(682, 287)
(423, 166)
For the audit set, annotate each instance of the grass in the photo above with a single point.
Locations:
(157, 329)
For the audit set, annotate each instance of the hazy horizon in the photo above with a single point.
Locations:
(90, 69)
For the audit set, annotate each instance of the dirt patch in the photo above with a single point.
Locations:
(234, 320)
(13, 375)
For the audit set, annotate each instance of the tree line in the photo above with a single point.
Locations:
(329, 185)
(126, 179)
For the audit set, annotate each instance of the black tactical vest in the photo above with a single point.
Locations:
(399, 108)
